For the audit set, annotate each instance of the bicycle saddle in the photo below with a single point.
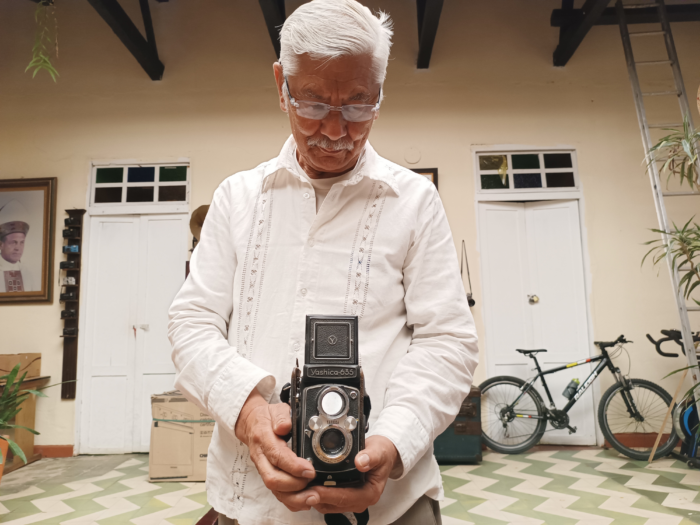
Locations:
(527, 352)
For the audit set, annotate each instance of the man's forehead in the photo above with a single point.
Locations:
(17, 236)
(347, 71)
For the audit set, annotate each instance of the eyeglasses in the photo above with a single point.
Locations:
(319, 110)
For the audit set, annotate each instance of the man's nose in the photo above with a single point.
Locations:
(334, 125)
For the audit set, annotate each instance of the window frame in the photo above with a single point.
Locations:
(127, 208)
(512, 193)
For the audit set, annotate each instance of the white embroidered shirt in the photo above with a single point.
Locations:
(380, 248)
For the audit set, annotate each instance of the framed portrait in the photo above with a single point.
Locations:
(27, 222)
(429, 173)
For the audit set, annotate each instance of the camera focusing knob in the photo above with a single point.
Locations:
(350, 423)
(314, 424)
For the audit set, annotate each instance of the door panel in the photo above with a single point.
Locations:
(163, 254)
(136, 265)
(531, 249)
(504, 266)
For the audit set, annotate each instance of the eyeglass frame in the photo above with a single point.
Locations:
(293, 101)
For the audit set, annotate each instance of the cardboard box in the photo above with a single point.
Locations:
(30, 363)
(180, 437)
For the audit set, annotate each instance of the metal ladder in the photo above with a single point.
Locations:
(645, 127)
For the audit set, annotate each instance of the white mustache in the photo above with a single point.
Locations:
(332, 145)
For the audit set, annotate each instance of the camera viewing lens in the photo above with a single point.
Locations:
(332, 441)
(332, 403)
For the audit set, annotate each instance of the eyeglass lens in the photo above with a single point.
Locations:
(316, 111)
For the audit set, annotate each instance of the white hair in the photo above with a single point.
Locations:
(328, 29)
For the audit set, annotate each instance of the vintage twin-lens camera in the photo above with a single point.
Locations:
(329, 407)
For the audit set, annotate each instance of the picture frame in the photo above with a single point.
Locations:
(27, 231)
(429, 173)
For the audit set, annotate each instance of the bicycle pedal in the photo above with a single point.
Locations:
(572, 430)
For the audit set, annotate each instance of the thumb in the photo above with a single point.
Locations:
(281, 419)
(376, 452)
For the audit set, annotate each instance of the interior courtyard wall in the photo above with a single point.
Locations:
(490, 81)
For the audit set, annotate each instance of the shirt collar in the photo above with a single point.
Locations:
(370, 164)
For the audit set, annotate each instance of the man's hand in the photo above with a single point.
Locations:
(378, 460)
(260, 426)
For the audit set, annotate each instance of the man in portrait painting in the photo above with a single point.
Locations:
(13, 232)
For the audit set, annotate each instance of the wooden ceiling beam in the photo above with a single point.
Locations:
(573, 33)
(675, 12)
(275, 15)
(428, 19)
(143, 48)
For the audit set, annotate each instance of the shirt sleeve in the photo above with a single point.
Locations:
(209, 371)
(428, 386)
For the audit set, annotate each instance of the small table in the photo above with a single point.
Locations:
(23, 438)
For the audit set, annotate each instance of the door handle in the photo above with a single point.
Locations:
(144, 327)
(533, 299)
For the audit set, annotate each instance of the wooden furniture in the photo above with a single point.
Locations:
(23, 438)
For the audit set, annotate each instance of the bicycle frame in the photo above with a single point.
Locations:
(605, 362)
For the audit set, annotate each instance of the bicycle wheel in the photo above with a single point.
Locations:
(508, 430)
(635, 436)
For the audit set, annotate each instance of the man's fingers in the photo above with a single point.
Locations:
(297, 501)
(281, 419)
(280, 456)
(276, 479)
(370, 457)
(347, 500)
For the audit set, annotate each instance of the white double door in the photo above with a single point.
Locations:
(136, 265)
(535, 297)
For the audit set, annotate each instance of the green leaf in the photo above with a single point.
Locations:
(17, 451)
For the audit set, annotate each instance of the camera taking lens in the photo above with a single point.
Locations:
(332, 441)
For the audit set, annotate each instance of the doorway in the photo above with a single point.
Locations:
(136, 266)
(535, 297)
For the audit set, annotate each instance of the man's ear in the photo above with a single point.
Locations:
(279, 80)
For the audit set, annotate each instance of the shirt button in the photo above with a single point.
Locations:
(303, 291)
(306, 195)
(296, 346)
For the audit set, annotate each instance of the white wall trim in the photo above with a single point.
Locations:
(537, 195)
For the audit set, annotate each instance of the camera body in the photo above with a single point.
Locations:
(328, 401)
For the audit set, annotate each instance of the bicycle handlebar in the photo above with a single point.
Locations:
(603, 345)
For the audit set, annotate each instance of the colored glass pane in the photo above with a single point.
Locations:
(109, 175)
(493, 182)
(172, 193)
(560, 180)
(527, 180)
(172, 173)
(493, 162)
(139, 194)
(526, 162)
(103, 195)
(557, 160)
(140, 174)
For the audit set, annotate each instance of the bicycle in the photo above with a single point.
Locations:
(514, 416)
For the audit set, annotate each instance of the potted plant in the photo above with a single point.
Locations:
(13, 395)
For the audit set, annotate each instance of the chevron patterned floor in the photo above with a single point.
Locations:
(567, 487)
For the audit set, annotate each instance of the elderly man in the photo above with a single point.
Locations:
(328, 227)
(13, 232)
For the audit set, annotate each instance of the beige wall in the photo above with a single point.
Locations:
(490, 82)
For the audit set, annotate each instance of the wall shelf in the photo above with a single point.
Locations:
(70, 342)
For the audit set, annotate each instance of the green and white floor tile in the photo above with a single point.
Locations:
(90, 490)
(573, 487)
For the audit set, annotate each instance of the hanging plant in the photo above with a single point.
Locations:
(46, 39)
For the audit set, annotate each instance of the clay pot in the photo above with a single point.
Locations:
(4, 445)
